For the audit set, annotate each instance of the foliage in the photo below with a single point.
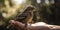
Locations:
(46, 12)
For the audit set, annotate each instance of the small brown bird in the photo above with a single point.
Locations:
(27, 15)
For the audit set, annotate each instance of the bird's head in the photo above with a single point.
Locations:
(31, 8)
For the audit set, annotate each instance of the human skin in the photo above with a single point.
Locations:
(20, 25)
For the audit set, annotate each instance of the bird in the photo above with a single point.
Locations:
(27, 15)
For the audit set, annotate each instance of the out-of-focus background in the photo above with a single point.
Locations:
(46, 10)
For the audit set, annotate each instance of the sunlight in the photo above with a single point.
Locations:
(38, 1)
(47, 1)
(19, 1)
(39, 24)
(4, 14)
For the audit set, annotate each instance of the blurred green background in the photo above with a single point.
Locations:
(46, 10)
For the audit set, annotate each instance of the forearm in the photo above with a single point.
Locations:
(47, 27)
(56, 28)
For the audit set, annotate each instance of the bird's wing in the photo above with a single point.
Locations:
(22, 16)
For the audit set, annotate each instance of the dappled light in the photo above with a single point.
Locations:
(12, 8)
(11, 11)
(46, 12)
